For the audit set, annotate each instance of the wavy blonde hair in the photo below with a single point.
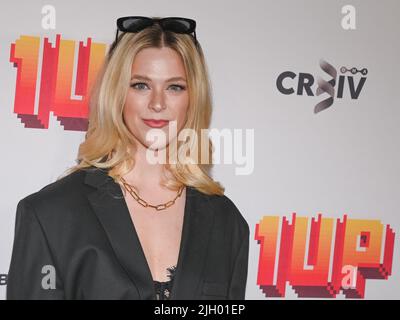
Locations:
(108, 142)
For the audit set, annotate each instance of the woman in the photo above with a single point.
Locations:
(119, 226)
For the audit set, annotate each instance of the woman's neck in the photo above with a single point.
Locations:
(144, 173)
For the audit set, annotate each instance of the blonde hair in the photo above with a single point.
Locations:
(108, 142)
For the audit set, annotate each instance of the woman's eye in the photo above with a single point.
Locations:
(177, 87)
(138, 85)
(142, 85)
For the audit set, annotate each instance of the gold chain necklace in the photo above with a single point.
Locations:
(144, 203)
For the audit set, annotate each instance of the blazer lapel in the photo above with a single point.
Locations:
(197, 226)
(108, 203)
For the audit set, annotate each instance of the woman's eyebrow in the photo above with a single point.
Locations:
(140, 77)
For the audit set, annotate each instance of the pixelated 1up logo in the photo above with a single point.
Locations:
(349, 83)
(321, 257)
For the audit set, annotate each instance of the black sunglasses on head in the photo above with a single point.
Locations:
(174, 24)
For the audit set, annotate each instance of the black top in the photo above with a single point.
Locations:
(163, 289)
(74, 239)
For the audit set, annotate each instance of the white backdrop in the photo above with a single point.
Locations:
(343, 160)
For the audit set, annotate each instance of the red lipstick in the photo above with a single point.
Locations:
(153, 123)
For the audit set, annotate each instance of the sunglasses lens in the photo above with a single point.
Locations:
(134, 24)
(178, 25)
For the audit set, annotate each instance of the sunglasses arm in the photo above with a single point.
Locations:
(195, 38)
(116, 37)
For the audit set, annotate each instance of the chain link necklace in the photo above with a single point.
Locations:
(144, 203)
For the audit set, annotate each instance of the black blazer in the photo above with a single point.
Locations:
(81, 226)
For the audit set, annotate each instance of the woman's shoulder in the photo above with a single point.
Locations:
(227, 210)
(67, 189)
(60, 207)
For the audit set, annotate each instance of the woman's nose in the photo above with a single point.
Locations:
(157, 102)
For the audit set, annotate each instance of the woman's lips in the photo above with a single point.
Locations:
(155, 123)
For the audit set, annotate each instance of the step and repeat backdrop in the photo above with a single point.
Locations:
(308, 90)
